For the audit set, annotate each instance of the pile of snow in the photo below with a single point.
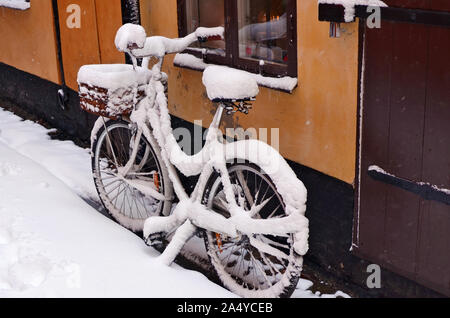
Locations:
(349, 6)
(303, 290)
(15, 4)
(52, 244)
(380, 170)
(227, 83)
(130, 35)
(113, 76)
(190, 61)
(202, 32)
(65, 160)
(285, 83)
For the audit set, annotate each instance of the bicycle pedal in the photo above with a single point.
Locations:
(155, 239)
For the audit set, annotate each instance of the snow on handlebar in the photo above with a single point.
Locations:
(132, 39)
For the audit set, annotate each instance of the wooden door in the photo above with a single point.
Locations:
(403, 211)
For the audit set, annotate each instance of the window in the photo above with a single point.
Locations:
(260, 35)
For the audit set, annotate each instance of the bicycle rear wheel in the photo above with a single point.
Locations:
(112, 150)
(244, 265)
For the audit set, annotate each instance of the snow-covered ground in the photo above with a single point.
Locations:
(53, 244)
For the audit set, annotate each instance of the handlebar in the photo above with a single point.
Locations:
(132, 39)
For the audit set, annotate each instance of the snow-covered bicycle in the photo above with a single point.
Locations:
(248, 203)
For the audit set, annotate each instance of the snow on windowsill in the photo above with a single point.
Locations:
(15, 4)
(349, 6)
(285, 84)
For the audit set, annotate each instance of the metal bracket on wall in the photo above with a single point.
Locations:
(131, 13)
(425, 190)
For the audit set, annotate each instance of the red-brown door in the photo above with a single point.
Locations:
(403, 211)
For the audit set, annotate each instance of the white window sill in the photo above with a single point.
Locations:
(285, 84)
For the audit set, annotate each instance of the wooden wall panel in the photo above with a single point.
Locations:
(80, 46)
(408, 94)
(109, 20)
(28, 40)
(434, 242)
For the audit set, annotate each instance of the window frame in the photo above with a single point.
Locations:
(232, 58)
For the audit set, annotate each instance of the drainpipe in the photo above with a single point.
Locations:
(131, 13)
(63, 96)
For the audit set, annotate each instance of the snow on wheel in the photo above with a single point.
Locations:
(112, 149)
(257, 266)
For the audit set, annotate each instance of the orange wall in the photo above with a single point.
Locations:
(317, 122)
(93, 42)
(109, 20)
(27, 40)
(79, 45)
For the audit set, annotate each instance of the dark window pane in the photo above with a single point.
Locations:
(263, 30)
(206, 13)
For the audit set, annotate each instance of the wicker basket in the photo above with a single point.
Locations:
(111, 91)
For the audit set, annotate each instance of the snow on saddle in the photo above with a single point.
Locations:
(224, 84)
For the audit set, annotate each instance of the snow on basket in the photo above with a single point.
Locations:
(111, 90)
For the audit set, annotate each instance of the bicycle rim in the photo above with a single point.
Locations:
(113, 149)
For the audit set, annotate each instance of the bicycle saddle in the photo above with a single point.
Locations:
(224, 84)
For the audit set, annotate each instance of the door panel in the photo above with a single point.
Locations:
(406, 131)
(434, 244)
(406, 115)
(377, 107)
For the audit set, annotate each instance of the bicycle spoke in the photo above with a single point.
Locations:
(266, 248)
(261, 270)
(111, 183)
(245, 188)
(273, 213)
(117, 195)
(110, 191)
(257, 208)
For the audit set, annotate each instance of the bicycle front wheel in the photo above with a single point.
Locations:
(112, 149)
(263, 265)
